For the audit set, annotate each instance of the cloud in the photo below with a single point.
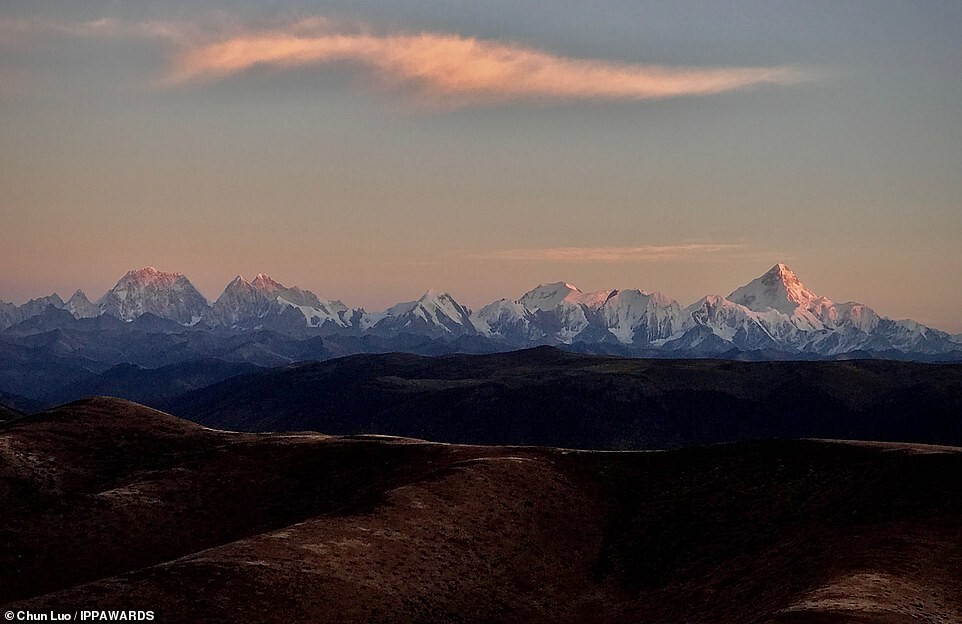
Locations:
(458, 69)
(26, 30)
(444, 68)
(109, 28)
(644, 253)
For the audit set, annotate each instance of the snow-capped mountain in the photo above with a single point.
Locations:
(561, 309)
(510, 321)
(316, 312)
(735, 324)
(80, 306)
(246, 304)
(9, 314)
(36, 306)
(780, 289)
(559, 312)
(777, 311)
(908, 336)
(166, 295)
(240, 303)
(637, 317)
(549, 296)
(774, 313)
(434, 314)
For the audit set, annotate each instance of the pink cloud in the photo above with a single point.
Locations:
(458, 69)
(444, 68)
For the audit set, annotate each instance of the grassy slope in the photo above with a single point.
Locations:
(107, 503)
(548, 397)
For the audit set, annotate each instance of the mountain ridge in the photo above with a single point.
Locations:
(775, 311)
(577, 400)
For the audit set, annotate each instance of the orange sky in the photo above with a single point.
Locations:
(369, 152)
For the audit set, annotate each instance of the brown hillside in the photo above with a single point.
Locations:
(106, 503)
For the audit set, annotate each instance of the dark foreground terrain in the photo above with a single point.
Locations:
(107, 504)
(547, 397)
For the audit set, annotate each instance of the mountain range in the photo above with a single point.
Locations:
(774, 314)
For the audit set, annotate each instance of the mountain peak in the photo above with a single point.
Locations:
(149, 274)
(149, 271)
(435, 312)
(778, 289)
(148, 290)
(548, 296)
(265, 283)
(557, 286)
(239, 287)
(433, 294)
(80, 306)
(442, 301)
(783, 271)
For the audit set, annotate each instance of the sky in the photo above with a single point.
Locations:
(368, 151)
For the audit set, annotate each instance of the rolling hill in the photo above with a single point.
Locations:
(545, 396)
(110, 504)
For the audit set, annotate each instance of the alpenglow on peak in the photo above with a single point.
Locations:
(778, 289)
(773, 313)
